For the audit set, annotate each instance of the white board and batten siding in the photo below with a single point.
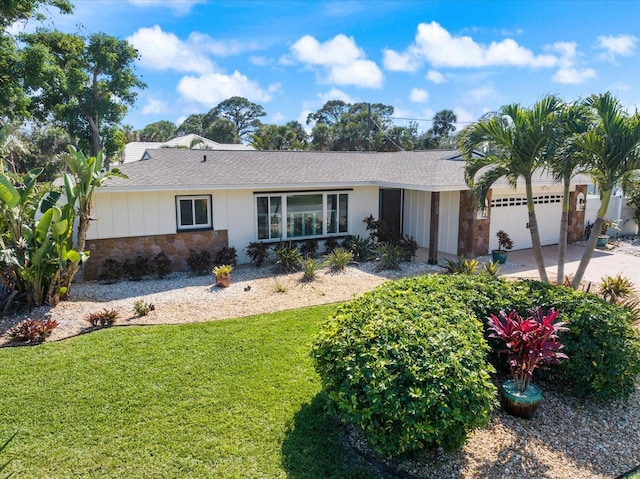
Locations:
(417, 218)
(509, 213)
(127, 214)
(619, 211)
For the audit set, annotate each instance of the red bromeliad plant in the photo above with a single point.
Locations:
(530, 342)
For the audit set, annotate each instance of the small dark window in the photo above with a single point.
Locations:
(193, 212)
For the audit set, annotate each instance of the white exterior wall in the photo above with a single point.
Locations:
(618, 211)
(146, 213)
(154, 213)
(417, 214)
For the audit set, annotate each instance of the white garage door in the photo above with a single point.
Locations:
(509, 213)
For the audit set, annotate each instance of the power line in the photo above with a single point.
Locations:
(387, 136)
(427, 119)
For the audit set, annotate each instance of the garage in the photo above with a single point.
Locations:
(509, 213)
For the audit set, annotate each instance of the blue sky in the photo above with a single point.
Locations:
(418, 56)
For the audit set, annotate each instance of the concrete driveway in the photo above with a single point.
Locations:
(603, 263)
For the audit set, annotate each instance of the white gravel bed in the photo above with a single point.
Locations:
(185, 298)
(567, 438)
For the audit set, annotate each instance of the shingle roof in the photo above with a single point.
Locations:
(177, 169)
(135, 150)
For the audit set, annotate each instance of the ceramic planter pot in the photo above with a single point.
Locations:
(223, 281)
(520, 404)
(499, 256)
(602, 241)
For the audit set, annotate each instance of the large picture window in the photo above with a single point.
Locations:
(193, 212)
(302, 215)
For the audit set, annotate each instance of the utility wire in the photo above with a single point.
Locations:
(426, 119)
(384, 132)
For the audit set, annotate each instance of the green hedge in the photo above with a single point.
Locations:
(406, 363)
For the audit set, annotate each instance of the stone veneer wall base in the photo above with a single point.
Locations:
(175, 246)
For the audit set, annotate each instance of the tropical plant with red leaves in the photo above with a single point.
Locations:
(33, 330)
(530, 342)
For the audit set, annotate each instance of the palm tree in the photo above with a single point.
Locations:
(519, 139)
(611, 147)
(564, 165)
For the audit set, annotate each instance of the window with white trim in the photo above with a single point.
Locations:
(193, 212)
(302, 215)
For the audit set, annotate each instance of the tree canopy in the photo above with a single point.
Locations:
(85, 84)
(162, 130)
(15, 67)
(341, 126)
(291, 136)
(15, 10)
(193, 124)
(440, 133)
(244, 115)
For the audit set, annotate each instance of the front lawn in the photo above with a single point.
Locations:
(227, 399)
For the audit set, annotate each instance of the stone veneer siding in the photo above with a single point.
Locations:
(473, 232)
(576, 218)
(175, 246)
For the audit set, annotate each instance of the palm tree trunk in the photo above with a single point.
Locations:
(564, 227)
(593, 239)
(535, 233)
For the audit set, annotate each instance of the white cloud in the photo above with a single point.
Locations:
(428, 113)
(437, 46)
(160, 50)
(220, 48)
(212, 88)
(566, 50)
(464, 117)
(400, 62)
(573, 75)
(302, 119)
(363, 73)
(278, 117)
(435, 77)
(480, 95)
(614, 45)
(274, 88)
(335, 94)
(418, 95)
(258, 61)
(180, 8)
(154, 105)
(341, 59)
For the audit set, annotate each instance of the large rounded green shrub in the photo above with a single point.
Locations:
(408, 371)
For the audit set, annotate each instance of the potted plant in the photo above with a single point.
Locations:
(504, 245)
(223, 275)
(603, 237)
(529, 343)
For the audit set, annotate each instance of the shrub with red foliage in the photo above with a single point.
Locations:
(530, 342)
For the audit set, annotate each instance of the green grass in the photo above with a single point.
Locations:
(227, 399)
